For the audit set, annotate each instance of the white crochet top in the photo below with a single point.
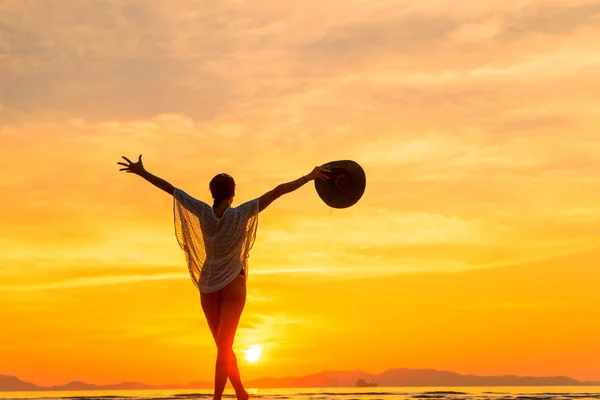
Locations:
(216, 249)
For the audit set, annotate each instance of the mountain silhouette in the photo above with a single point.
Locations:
(398, 377)
(14, 384)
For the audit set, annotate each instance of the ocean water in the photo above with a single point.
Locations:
(381, 393)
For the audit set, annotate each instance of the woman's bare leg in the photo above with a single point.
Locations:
(211, 305)
(223, 311)
(235, 378)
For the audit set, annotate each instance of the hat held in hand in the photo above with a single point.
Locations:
(345, 186)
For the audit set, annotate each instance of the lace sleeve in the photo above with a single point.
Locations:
(188, 214)
(248, 222)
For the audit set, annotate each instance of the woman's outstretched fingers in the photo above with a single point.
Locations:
(322, 173)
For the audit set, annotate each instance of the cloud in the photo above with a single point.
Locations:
(380, 35)
(518, 305)
(109, 280)
(93, 281)
(552, 19)
(131, 59)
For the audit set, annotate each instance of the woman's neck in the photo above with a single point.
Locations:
(220, 210)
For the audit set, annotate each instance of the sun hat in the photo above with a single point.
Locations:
(345, 186)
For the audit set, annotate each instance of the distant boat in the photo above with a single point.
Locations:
(363, 383)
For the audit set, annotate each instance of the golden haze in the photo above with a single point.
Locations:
(474, 248)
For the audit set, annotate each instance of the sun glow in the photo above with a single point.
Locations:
(253, 353)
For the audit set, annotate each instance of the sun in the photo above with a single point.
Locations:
(253, 353)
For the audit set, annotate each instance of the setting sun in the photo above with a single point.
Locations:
(253, 353)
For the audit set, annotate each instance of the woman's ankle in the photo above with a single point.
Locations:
(243, 395)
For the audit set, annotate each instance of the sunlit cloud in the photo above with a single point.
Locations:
(93, 281)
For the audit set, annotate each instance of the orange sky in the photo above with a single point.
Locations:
(474, 249)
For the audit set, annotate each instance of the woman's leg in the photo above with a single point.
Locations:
(211, 305)
(233, 300)
(235, 379)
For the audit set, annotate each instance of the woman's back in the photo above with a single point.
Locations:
(215, 248)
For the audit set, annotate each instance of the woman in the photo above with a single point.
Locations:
(216, 241)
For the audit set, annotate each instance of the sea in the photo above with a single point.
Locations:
(380, 393)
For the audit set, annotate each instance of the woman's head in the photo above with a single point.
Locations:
(222, 188)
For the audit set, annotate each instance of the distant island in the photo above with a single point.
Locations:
(399, 377)
(363, 383)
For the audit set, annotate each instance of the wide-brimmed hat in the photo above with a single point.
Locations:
(345, 186)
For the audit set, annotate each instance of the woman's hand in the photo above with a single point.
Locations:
(138, 169)
(318, 172)
(133, 168)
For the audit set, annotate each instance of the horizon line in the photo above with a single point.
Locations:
(190, 385)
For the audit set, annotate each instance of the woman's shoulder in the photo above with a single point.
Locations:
(248, 207)
(189, 202)
(248, 203)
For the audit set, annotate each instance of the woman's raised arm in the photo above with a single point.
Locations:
(284, 188)
(138, 169)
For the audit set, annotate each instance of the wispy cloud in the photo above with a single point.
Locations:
(93, 281)
(104, 280)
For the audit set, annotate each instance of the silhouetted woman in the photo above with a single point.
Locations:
(217, 241)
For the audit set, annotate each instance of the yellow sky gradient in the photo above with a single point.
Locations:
(474, 249)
